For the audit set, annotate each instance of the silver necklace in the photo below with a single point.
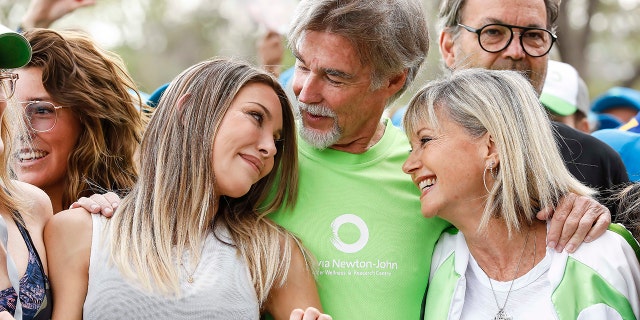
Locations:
(190, 273)
(502, 315)
(190, 278)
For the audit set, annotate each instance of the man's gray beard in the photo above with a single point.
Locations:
(319, 139)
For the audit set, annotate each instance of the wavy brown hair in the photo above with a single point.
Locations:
(95, 85)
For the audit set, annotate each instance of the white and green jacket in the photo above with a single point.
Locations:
(601, 280)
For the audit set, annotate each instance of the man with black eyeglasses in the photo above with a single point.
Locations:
(518, 35)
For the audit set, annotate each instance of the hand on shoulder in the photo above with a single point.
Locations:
(574, 220)
(105, 204)
(310, 313)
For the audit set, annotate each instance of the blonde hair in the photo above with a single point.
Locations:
(171, 207)
(531, 173)
(628, 200)
(11, 199)
(95, 85)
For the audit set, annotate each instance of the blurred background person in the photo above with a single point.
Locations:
(270, 49)
(622, 137)
(24, 209)
(271, 52)
(616, 106)
(43, 13)
(626, 141)
(84, 123)
(566, 96)
(633, 125)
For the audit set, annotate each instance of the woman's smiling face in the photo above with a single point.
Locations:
(245, 145)
(44, 162)
(446, 164)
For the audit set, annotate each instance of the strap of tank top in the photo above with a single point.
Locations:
(44, 312)
(12, 271)
(30, 246)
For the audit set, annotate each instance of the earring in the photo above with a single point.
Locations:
(484, 173)
(494, 170)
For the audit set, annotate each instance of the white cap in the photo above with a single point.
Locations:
(564, 92)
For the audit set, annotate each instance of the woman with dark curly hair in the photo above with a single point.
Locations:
(83, 112)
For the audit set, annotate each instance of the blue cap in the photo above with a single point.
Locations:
(607, 121)
(627, 144)
(154, 97)
(616, 97)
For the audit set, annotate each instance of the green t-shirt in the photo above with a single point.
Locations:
(359, 214)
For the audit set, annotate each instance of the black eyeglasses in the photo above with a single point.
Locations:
(496, 37)
(7, 85)
(41, 115)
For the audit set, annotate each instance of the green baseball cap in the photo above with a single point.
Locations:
(15, 50)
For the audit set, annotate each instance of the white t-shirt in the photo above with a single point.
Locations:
(481, 304)
(221, 289)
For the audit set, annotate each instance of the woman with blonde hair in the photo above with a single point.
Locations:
(191, 241)
(484, 158)
(24, 209)
(84, 116)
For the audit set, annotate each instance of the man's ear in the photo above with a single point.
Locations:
(396, 82)
(583, 125)
(446, 49)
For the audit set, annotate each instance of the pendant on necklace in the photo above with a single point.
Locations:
(501, 315)
(189, 275)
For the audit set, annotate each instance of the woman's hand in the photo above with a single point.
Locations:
(104, 204)
(310, 313)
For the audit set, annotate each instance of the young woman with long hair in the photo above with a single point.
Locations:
(191, 241)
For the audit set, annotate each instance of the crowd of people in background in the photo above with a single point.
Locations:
(259, 192)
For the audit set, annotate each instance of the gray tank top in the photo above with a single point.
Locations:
(221, 287)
